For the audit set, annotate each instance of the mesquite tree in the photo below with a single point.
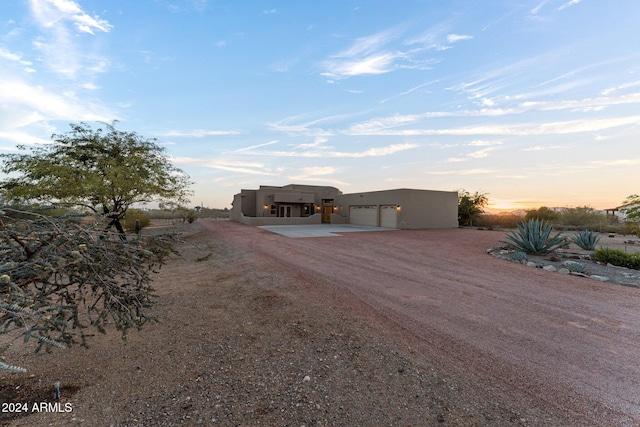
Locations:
(631, 208)
(104, 170)
(60, 279)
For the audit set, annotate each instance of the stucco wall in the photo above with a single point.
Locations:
(418, 208)
(313, 219)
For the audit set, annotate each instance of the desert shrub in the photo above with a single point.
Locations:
(627, 228)
(534, 237)
(132, 215)
(585, 218)
(543, 213)
(586, 240)
(576, 267)
(191, 216)
(519, 256)
(492, 221)
(60, 278)
(618, 257)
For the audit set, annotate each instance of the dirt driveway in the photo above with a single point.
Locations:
(563, 344)
(400, 328)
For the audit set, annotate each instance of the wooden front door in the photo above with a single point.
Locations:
(326, 213)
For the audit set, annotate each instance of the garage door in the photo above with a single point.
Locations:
(388, 216)
(363, 215)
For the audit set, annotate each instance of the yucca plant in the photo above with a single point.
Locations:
(534, 237)
(586, 240)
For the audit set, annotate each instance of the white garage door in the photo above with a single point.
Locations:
(388, 216)
(363, 215)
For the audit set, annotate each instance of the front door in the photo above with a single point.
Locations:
(326, 213)
(285, 211)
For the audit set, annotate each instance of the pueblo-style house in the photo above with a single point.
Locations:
(312, 204)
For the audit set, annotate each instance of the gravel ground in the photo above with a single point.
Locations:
(259, 330)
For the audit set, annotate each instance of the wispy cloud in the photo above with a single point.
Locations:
(519, 129)
(50, 12)
(384, 52)
(319, 152)
(318, 174)
(250, 168)
(611, 90)
(4, 53)
(197, 133)
(407, 92)
(36, 103)
(391, 125)
(60, 46)
(547, 147)
(478, 171)
(454, 38)
(253, 147)
(569, 4)
(484, 143)
(536, 9)
(300, 126)
(477, 154)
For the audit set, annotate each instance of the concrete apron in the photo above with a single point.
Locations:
(322, 230)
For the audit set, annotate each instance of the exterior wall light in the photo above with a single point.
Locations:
(398, 208)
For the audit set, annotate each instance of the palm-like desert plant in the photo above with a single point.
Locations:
(534, 237)
(586, 240)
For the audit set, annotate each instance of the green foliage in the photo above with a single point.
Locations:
(492, 221)
(59, 278)
(105, 171)
(584, 217)
(586, 239)
(576, 267)
(618, 257)
(132, 215)
(626, 228)
(631, 208)
(534, 237)
(470, 206)
(519, 256)
(543, 213)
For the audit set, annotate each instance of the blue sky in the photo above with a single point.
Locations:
(535, 102)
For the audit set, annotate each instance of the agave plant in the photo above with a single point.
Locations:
(534, 237)
(586, 240)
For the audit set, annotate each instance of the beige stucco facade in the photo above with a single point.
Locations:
(310, 204)
(414, 209)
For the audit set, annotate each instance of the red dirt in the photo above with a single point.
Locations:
(565, 345)
(405, 328)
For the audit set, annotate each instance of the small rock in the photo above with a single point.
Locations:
(600, 278)
(575, 273)
(571, 263)
(531, 264)
(564, 271)
(306, 379)
(549, 268)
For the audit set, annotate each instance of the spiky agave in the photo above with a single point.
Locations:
(586, 240)
(534, 237)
